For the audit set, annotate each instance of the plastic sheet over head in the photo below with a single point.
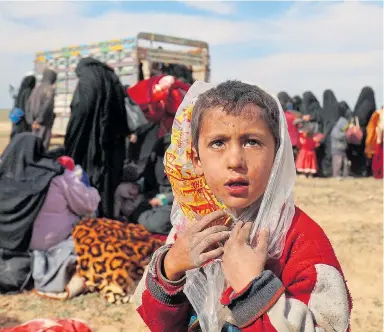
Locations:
(194, 199)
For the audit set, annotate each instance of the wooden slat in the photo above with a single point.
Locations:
(172, 40)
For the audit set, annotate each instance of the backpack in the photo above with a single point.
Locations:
(354, 133)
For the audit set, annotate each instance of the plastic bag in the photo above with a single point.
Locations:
(214, 286)
(354, 132)
(16, 115)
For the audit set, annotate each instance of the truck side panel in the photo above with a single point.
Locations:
(118, 54)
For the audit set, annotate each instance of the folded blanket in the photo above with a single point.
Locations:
(112, 256)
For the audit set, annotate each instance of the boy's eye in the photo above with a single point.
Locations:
(216, 144)
(252, 142)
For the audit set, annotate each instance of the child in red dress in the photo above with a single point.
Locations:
(306, 162)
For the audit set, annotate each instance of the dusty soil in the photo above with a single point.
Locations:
(351, 213)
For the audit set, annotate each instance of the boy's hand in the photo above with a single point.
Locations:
(242, 263)
(197, 245)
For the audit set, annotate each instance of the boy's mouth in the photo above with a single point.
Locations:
(237, 186)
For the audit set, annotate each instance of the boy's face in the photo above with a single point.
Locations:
(236, 155)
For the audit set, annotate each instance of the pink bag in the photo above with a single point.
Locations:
(354, 133)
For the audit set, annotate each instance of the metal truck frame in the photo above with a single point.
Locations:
(127, 57)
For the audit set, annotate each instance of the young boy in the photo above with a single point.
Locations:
(287, 278)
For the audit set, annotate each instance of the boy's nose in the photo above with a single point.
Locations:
(235, 159)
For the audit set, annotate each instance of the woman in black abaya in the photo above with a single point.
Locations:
(297, 101)
(365, 107)
(26, 87)
(345, 110)
(25, 176)
(97, 129)
(329, 117)
(311, 107)
(284, 99)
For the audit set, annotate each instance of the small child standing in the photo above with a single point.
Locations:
(273, 269)
(339, 146)
(306, 162)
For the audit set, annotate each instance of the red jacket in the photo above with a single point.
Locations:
(304, 290)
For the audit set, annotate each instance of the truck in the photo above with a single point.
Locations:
(131, 59)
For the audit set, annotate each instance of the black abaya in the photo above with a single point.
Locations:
(25, 91)
(365, 107)
(25, 176)
(329, 117)
(296, 102)
(97, 129)
(284, 99)
(345, 111)
(311, 106)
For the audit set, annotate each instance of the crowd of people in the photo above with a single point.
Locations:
(88, 216)
(108, 176)
(331, 140)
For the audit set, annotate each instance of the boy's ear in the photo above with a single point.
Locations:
(196, 162)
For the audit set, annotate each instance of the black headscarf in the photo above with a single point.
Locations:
(344, 110)
(296, 102)
(284, 99)
(26, 87)
(329, 118)
(25, 90)
(365, 106)
(311, 106)
(331, 112)
(25, 175)
(96, 131)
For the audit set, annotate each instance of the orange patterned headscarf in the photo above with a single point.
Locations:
(190, 190)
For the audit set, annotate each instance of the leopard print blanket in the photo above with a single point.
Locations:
(112, 256)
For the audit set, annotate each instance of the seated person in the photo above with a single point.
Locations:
(41, 201)
(149, 200)
(127, 196)
(69, 197)
(157, 212)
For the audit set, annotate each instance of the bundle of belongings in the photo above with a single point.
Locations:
(159, 97)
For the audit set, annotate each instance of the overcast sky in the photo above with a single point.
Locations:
(290, 46)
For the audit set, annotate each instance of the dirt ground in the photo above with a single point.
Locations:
(351, 213)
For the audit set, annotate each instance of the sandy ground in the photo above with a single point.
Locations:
(351, 213)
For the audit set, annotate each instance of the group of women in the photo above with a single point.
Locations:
(69, 231)
(336, 121)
